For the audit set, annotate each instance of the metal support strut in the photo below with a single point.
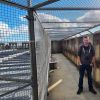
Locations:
(33, 54)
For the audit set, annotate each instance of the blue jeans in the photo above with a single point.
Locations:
(82, 69)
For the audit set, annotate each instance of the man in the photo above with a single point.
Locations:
(86, 56)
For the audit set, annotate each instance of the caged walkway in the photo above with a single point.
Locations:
(67, 89)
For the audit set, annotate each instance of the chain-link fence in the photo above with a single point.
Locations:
(15, 55)
(15, 69)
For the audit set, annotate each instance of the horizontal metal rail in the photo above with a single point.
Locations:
(63, 28)
(13, 4)
(74, 22)
(13, 79)
(43, 4)
(69, 8)
(82, 31)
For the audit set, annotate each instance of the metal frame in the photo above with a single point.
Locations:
(90, 31)
(85, 29)
(82, 31)
(43, 4)
(74, 22)
(13, 4)
(30, 17)
(33, 55)
(67, 8)
(58, 28)
(35, 7)
(32, 45)
(62, 31)
(58, 34)
(38, 7)
(78, 28)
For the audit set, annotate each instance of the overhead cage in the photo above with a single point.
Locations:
(26, 29)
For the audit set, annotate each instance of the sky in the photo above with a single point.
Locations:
(14, 27)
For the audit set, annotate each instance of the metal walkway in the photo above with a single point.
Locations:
(68, 88)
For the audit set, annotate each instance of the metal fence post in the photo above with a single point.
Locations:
(33, 54)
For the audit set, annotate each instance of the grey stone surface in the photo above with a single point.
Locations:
(68, 88)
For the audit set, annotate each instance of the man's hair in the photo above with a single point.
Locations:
(85, 36)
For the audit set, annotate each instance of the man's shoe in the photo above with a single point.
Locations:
(79, 91)
(92, 91)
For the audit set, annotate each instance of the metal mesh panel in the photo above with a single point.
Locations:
(62, 9)
(26, 2)
(24, 94)
(15, 70)
(21, 2)
(61, 3)
(15, 65)
(42, 55)
(76, 3)
(65, 23)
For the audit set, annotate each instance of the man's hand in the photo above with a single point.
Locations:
(91, 64)
(79, 65)
(79, 62)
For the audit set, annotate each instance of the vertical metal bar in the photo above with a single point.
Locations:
(29, 3)
(90, 32)
(33, 55)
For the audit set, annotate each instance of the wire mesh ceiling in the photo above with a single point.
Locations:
(64, 18)
(61, 3)
(75, 4)
(63, 24)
